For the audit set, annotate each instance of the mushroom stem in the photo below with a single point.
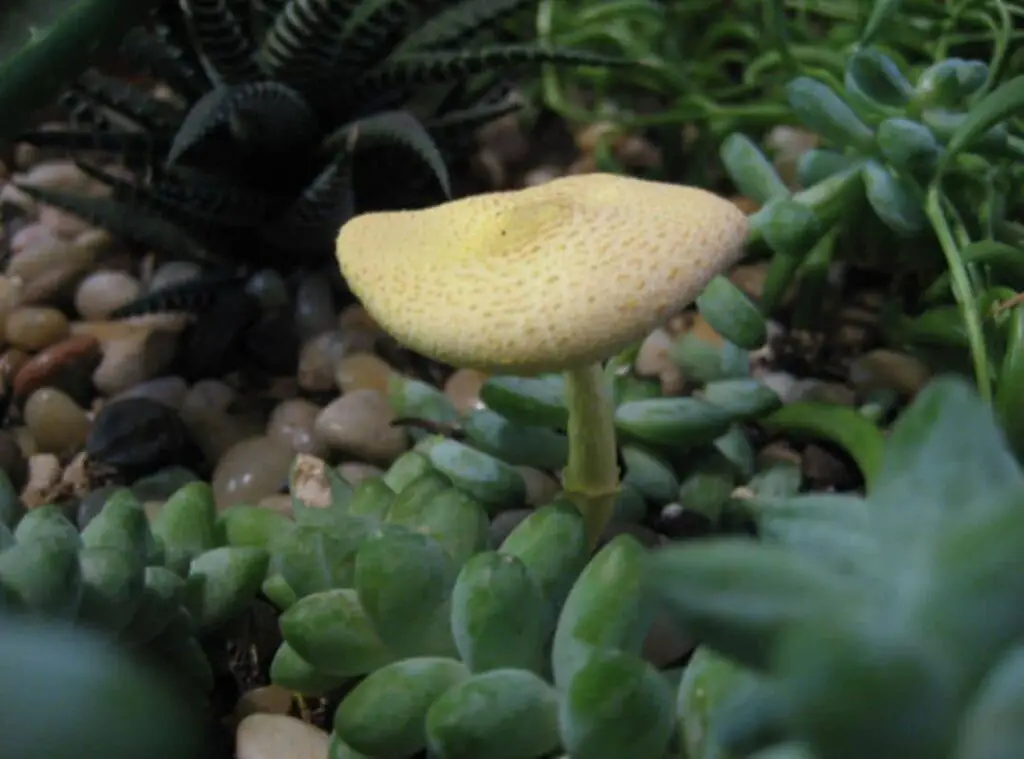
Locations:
(591, 477)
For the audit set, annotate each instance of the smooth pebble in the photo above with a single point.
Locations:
(278, 736)
(103, 292)
(292, 422)
(56, 422)
(363, 371)
(251, 470)
(33, 328)
(359, 424)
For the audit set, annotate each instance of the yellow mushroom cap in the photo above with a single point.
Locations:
(540, 279)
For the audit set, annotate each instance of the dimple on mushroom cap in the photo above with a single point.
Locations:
(540, 279)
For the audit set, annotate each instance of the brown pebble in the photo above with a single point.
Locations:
(463, 389)
(268, 699)
(363, 371)
(66, 365)
(359, 424)
(251, 470)
(10, 297)
(56, 422)
(317, 359)
(33, 328)
(11, 361)
(292, 423)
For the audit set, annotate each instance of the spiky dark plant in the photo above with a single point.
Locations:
(288, 116)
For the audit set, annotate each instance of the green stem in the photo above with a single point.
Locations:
(591, 476)
(962, 291)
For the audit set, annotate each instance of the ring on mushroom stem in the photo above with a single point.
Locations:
(555, 277)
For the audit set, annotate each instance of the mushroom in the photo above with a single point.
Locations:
(555, 277)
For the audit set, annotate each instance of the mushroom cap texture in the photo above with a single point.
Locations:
(540, 279)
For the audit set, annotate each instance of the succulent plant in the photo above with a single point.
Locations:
(887, 625)
(904, 181)
(286, 117)
(151, 588)
(399, 590)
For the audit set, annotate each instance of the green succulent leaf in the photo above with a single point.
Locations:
(819, 164)
(709, 682)
(158, 606)
(41, 577)
(650, 474)
(403, 580)
(222, 582)
(333, 632)
(414, 399)
(289, 670)
(750, 170)
(404, 691)
(311, 558)
(917, 490)
(113, 585)
(490, 481)
(993, 727)
(678, 422)
(897, 701)
(732, 314)
(875, 77)
(744, 399)
(501, 714)
(789, 227)
(832, 528)
(552, 544)
(1002, 103)
(405, 470)
(535, 401)
(823, 111)
(617, 705)
(947, 83)
(47, 524)
(499, 615)
(516, 444)
(897, 202)
(607, 608)
(186, 525)
(740, 598)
